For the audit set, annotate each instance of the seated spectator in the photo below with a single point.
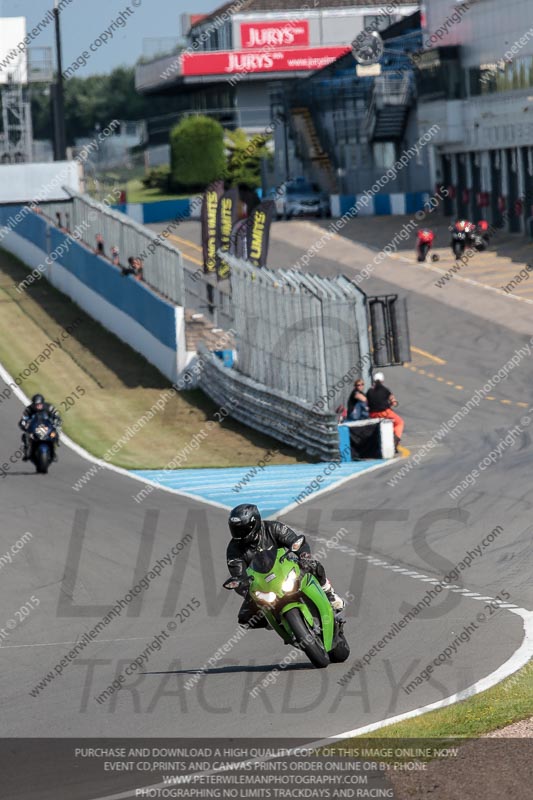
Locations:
(380, 403)
(100, 244)
(115, 256)
(138, 266)
(357, 403)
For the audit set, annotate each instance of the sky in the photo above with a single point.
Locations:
(84, 20)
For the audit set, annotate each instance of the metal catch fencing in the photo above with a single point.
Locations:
(297, 333)
(162, 263)
(271, 411)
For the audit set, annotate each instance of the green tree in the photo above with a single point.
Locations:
(98, 99)
(197, 153)
(244, 158)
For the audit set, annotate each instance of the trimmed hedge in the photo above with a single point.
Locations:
(197, 153)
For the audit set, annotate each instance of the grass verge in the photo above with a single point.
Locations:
(138, 193)
(120, 385)
(507, 702)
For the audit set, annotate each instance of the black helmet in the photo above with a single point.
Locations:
(37, 400)
(245, 523)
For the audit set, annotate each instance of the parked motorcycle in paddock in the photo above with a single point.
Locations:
(424, 243)
(295, 605)
(43, 441)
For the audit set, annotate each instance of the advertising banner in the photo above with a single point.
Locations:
(228, 214)
(210, 203)
(259, 223)
(291, 33)
(292, 59)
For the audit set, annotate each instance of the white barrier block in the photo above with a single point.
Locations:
(136, 212)
(195, 205)
(397, 203)
(365, 206)
(335, 203)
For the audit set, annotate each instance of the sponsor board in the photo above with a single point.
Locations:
(292, 33)
(289, 60)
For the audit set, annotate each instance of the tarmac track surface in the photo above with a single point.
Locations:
(90, 547)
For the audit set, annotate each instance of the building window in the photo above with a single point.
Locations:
(502, 76)
(376, 22)
(384, 154)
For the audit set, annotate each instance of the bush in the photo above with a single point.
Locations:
(197, 153)
(157, 178)
(244, 158)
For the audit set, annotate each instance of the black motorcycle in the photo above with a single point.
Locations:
(460, 240)
(43, 438)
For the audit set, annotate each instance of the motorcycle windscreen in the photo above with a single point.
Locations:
(264, 561)
(41, 418)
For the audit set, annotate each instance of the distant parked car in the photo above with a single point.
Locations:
(298, 198)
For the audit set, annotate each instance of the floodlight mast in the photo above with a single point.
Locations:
(60, 143)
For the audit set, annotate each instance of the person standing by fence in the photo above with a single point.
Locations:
(381, 401)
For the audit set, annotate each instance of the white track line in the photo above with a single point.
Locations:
(57, 644)
(410, 573)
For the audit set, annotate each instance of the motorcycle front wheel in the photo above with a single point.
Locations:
(422, 253)
(341, 651)
(307, 640)
(42, 460)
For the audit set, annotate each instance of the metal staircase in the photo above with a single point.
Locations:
(311, 151)
(392, 98)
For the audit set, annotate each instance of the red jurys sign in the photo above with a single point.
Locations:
(274, 34)
(231, 62)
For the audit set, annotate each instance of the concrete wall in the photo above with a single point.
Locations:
(126, 307)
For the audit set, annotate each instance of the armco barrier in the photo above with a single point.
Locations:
(126, 307)
(162, 210)
(286, 419)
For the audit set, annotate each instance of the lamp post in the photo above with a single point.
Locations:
(59, 102)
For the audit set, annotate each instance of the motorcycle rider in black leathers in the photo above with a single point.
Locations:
(250, 534)
(38, 406)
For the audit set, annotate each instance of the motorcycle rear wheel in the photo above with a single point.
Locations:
(308, 641)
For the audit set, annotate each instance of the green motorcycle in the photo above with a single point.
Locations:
(295, 605)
